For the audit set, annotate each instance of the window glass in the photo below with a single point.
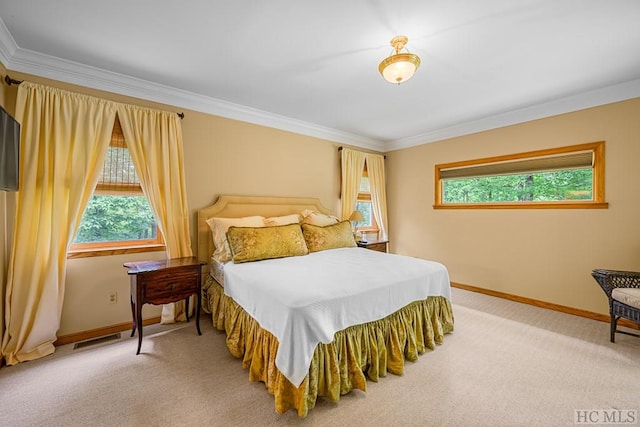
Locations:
(565, 177)
(118, 213)
(367, 214)
(574, 184)
(364, 205)
(117, 218)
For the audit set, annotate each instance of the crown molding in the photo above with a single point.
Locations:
(593, 98)
(30, 62)
(8, 45)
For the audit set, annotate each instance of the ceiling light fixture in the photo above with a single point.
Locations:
(399, 67)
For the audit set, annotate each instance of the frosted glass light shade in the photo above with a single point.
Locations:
(399, 68)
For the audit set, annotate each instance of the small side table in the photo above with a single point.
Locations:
(374, 245)
(162, 282)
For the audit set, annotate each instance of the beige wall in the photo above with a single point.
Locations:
(542, 254)
(222, 156)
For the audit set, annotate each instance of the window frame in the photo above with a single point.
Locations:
(365, 197)
(598, 194)
(82, 250)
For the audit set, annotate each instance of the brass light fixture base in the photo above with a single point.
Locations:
(399, 67)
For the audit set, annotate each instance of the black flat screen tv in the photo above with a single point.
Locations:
(9, 151)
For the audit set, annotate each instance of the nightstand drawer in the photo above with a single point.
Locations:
(380, 247)
(377, 245)
(163, 284)
(170, 287)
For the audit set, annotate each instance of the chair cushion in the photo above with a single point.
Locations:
(628, 296)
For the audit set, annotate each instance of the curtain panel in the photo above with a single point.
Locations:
(64, 139)
(154, 139)
(352, 166)
(375, 170)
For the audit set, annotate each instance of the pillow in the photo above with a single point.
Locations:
(255, 244)
(282, 220)
(333, 236)
(316, 218)
(219, 227)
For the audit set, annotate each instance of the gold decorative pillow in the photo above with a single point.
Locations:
(317, 218)
(219, 227)
(255, 244)
(333, 236)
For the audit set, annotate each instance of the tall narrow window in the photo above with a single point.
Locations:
(364, 205)
(118, 214)
(566, 177)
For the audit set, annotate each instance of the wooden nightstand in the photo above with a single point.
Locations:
(374, 245)
(162, 282)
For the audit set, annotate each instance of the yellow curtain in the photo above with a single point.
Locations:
(154, 139)
(64, 139)
(352, 166)
(375, 171)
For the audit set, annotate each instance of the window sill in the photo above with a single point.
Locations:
(86, 253)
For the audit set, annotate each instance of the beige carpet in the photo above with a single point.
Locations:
(506, 364)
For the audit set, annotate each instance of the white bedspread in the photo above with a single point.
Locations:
(305, 300)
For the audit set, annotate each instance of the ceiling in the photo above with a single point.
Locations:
(312, 67)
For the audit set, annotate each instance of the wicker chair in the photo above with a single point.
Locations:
(618, 285)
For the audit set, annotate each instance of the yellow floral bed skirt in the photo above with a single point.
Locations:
(371, 349)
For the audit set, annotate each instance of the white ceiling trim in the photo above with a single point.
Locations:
(26, 61)
(594, 98)
(7, 44)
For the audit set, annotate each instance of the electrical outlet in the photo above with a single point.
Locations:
(112, 297)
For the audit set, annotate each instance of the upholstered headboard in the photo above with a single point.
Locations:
(241, 206)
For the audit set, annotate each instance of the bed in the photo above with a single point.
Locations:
(324, 317)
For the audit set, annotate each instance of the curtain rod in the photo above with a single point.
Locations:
(9, 81)
(340, 149)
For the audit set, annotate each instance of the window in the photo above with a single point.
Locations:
(364, 205)
(118, 217)
(566, 177)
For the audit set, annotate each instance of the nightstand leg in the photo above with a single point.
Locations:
(197, 313)
(186, 307)
(133, 316)
(139, 325)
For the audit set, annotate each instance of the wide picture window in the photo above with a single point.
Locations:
(118, 217)
(566, 177)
